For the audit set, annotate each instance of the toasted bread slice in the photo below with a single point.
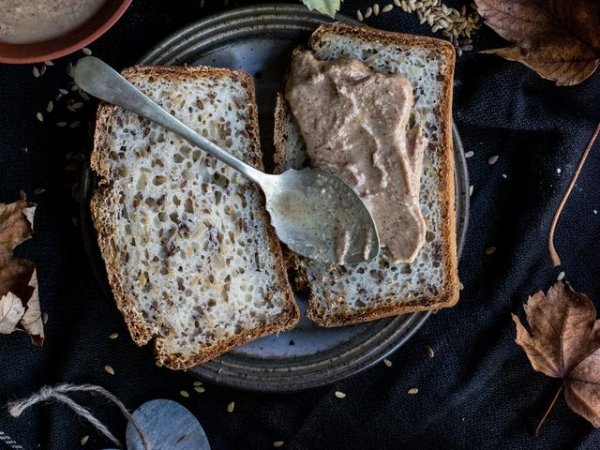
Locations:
(375, 289)
(190, 255)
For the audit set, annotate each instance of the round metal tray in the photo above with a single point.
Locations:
(259, 40)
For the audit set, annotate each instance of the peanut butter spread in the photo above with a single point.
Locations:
(356, 123)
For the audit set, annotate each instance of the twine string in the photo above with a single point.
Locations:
(59, 393)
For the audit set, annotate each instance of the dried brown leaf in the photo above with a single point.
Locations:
(564, 342)
(558, 39)
(19, 300)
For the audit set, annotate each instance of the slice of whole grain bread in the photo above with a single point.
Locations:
(375, 289)
(191, 258)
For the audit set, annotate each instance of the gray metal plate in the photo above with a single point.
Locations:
(259, 40)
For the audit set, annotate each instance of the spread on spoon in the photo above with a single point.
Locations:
(357, 124)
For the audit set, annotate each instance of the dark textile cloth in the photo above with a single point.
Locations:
(477, 392)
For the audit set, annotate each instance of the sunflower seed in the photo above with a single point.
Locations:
(278, 444)
(359, 15)
(184, 393)
(39, 116)
(84, 96)
(39, 191)
(77, 105)
(413, 391)
(490, 250)
(387, 8)
(469, 154)
(109, 369)
(113, 336)
(199, 389)
(430, 351)
(63, 91)
(86, 51)
(376, 9)
(460, 286)
(49, 63)
(230, 407)
(340, 394)
(471, 190)
(560, 276)
(84, 440)
(61, 124)
(387, 362)
(36, 72)
(368, 12)
(50, 106)
(197, 383)
(75, 124)
(42, 70)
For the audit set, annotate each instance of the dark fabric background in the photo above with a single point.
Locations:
(477, 392)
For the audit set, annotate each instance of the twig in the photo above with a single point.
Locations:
(553, 254)
(537, 430)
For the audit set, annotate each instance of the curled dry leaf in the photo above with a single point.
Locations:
(19, 300)
(564, 342)
(559, 39)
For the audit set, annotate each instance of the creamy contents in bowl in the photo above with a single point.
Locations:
(356, 123)
(28, 21)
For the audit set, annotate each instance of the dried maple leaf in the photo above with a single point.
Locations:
(564, 342)
(559, 39)
(19, 301)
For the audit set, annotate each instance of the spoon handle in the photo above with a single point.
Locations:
(100, 80)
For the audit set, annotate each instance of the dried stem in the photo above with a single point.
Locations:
(537, 430)
(553, 254)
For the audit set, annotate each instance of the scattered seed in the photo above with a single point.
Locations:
(595, 211)
(42, 70)
(69, 70)
(230, 407)
(39, 191)
(376, 9)
(460, 286)
(39, 116)
(560, 276)
(278, 444)
(490, 250)
(109, 369)
(50, 106)
(359, 16)
(197, 383)
(74, 88)
(44, 318)
(77, 105)
(430, 352)
(113, 336)
(387, 362)
(86, 51)
(49, 63)
(199, 389)
(471, 190)
(493, 160)
(413, 391)
(340, 394)
(387, 8)
(368, 12)
(75, 124)
(61, 124)
(184, 393)
(504, 176)
(84, 96)
(84, 440)
(36, 72)
(558, 170)
(63, 91)
(469, 154)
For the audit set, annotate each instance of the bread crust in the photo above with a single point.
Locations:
(103, 201)
(449, 292)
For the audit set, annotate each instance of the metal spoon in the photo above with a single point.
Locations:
(314, 212)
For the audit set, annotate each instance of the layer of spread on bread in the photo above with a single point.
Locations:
(357, 123)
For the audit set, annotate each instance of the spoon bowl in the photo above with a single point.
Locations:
(314, 212)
